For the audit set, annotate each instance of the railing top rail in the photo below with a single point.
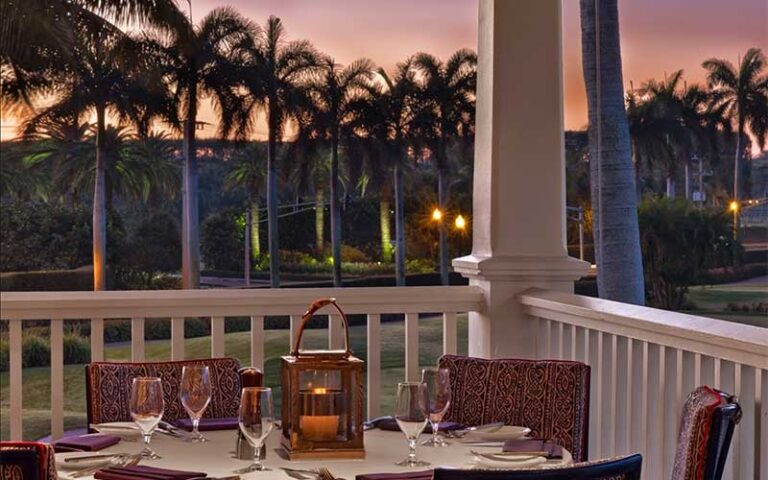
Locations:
(228, 302)
(731, 341)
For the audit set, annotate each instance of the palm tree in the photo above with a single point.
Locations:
(248, 169)
(273, 73)
(199, 60)
(449, 89)
(153, 157)
(103, 75)
(334, 93)
(614, 203)
(742, 92)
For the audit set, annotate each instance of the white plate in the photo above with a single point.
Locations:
(508, 462)
(124, 430)
(507, 432)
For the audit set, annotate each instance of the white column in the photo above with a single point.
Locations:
(519, 180)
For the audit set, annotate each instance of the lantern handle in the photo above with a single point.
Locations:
(314, 307)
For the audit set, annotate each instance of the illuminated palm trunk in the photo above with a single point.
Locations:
(190, 234)
(320, 220)
(273, 232)
(99, 208)
(386, 231)
(399, 228)
(255, 239)
(335, 211)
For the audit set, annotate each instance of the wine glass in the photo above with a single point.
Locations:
(257, 419)
(147, 407)
(439, 397)
(195, 396)
(411, 415)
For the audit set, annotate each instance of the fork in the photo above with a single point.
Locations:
(325, 474)
(119, 461)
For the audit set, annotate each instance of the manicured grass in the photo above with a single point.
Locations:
(712, 301)
(36, 381)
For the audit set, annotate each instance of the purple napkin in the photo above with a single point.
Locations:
(533, 445)
(389, 423)
(226, 423)
(143, 472)
(421, 475)
(86, 443)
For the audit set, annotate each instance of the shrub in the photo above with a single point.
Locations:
(35, 352)
(77, 349)
(222, 241)
(5, 354)
(680, 243)
(80, 279)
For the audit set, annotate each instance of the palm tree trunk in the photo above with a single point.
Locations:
(320, 220)
(620, 271)
(670, 186)
(442, 194)
(687, 173)
(335, 210)
(386, 232)
(255, 239)
(399, 228)
(737, 161)
(99, 208)
(190, 241)
(273, 232)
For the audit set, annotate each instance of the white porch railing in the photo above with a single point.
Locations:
(218, 305)
(644, 362)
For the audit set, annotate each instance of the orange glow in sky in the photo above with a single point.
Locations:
(658, 36)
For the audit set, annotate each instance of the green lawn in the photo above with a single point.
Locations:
(712, 301)
(36, 381)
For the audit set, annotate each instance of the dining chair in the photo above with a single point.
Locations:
(27, 460)
(551, 397)
(617, 468)
(708, 419)
(108, 388)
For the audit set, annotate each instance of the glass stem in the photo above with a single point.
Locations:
(147, 439)
(195, 424)
(412, 450)
(435, 427)
(257, 457)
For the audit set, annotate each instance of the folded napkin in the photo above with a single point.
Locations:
(421, 475)
(389, 423)
(523, 445)
(87, 443)
(142, 472)
(226, 423)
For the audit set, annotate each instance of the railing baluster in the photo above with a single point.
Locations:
(335, 332)
(542, 339)
(555, 336)
(15, 345)
(762, 445)
(608, 392)
(57, 378)
(450, 333)
(217, 337)
(580, 352)
(728, 384)
(374, 364)
(137, 339)
(97, 339)
(655, 418)
(257, 342)
(688, 380)
(707, 368)
(569, 349)
(177, 338)
(637, 395)
(746, 430)
(596, 397)
(412, 347)
(671, 413)
(622, 384)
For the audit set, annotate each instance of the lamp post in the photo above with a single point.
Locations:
(734, 207)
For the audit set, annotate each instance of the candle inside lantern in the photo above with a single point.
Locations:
(319, 421)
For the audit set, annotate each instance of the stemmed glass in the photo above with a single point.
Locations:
(195, 396)
(411, 415)
(147, 407)
(439, 397)
(257, 418)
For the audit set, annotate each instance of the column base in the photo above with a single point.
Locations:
(502, 330)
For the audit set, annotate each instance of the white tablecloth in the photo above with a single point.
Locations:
(382, 448)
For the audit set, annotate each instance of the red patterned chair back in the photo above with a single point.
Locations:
(27, 461)
(550, 397)
(708, 420)
(618, 468)
(109, 388)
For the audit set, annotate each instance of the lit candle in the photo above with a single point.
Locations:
(319, 421)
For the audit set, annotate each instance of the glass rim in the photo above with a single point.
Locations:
(147, 379)
(410, 384)
(196, 366)
(257, 389)
(435, 369)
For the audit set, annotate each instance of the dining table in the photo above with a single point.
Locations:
(382, 450)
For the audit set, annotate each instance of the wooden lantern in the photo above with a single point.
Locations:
(322, 398)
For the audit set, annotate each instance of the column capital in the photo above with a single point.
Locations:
(532, 269)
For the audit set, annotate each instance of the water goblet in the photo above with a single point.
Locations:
(411, 414)
(195, 393)
(147, 406)
(439, 398)
(257, 419)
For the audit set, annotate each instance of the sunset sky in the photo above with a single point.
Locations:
(658, 36)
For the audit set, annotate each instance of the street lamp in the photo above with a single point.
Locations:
(437, 215)
(460, 223)
(734, 207)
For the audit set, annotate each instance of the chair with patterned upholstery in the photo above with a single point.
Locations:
(706, 428)
(551, 397)
(27, 461)
(619, 468)
(108, 388)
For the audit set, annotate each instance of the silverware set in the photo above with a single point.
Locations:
(488, 428)
(110, 461)
(316, 474)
